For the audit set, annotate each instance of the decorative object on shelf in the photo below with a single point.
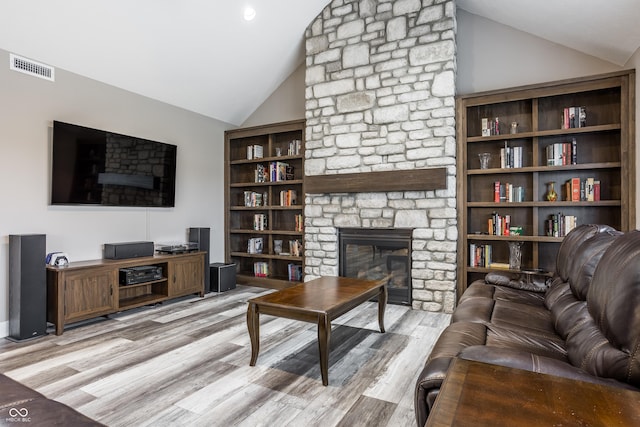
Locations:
(514, 127)
(515, 255)
(552, 196)
(484, 160)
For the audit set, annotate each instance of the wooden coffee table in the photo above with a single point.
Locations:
(479, 394)
(317, 301)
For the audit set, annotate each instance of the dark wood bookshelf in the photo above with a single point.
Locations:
(605, 152)
(280, 220)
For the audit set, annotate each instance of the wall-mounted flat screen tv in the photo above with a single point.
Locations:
(96, 167)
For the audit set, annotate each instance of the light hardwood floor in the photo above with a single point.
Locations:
(186, 363)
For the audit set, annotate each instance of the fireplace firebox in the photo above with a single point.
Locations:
(378, 253)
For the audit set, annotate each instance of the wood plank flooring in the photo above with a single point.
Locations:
(187, 363)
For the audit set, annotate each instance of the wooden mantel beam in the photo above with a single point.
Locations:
(361, 182)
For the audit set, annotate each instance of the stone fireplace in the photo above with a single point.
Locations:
(380, 87)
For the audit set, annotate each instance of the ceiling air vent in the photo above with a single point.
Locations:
(33, 68)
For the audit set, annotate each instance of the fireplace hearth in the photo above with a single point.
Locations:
(378, 253)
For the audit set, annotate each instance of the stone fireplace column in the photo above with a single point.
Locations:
(380, 87)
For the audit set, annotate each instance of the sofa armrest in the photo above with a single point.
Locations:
(518, 359)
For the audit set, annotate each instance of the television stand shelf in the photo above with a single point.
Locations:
(88, 289)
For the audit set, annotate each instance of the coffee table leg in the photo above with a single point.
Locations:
(253, 324)
(382, 304)
(324, 335)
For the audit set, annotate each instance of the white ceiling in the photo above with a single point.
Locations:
(202, 56)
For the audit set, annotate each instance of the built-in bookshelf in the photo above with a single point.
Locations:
(536, 161)
(264, 203)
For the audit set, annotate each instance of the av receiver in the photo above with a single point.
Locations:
(141, 274)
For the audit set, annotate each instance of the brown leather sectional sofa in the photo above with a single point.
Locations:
(585, 325)
(23, 406)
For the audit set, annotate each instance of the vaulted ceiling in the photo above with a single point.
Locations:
(201, 55)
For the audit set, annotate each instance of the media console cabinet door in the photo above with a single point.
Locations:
(89, 293)
(186, 275)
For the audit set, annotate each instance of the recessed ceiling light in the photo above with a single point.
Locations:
(249, 13)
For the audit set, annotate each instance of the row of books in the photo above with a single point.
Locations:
(506, 192)
(254, 199)
(299, 223)
(498, 225)
(260, 222)
(490, 126)
(277, 171)
(510, 157)
(479, 255)
(562, 153)
(294, 272)
(260, 269)
(294, 147)
(574, 117)
(559, 225)
(288, 198)
(582, 190)
(255, 245)
(255, 152)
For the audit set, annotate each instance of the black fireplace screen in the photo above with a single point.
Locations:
(378, 254)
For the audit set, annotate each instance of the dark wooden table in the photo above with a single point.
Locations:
(317, 301)
(479, 394)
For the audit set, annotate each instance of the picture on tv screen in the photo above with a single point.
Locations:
(96, 167)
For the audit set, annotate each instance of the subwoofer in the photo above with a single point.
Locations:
(201, 236)
(27, 286)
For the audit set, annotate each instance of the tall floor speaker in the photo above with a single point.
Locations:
(27, 286)
(201, 236)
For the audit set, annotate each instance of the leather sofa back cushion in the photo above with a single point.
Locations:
(570, 244)
(607, 344)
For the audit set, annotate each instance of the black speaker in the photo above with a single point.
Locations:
(201, 236)
(223, 276)
(27, 286)
(128, 250)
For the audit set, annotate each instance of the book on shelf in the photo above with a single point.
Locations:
(255, 245)
(255, 152)
(507, 192)
(480, 255)
(490, 126)
(562, 153)
(559, 225)
(499, 265)
(280, 171)
(299, 223)
(510, 157)
(288, 198)
(260, 269)
(294, 147)
(498, 225)
(294, 272)
(574, 117)
(254, 199)
(261, 174)
(260, 222)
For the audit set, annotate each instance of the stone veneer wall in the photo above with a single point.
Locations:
(380, 87)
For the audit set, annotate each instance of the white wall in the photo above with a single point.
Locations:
(29, 105)
(286, 102)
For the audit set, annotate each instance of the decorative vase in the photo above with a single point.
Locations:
(484, 160)
(552, 196)
(515, 255)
